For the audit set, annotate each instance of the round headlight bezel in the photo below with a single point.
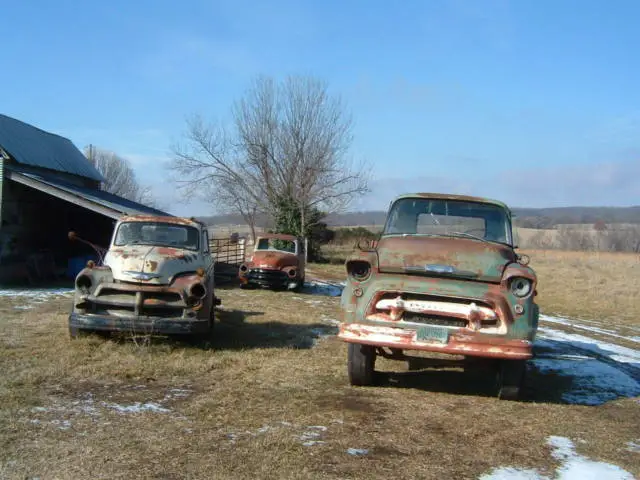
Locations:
(521, 287)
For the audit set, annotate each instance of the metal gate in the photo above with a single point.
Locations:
(228, 254)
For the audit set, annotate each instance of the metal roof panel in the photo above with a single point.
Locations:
(29, 145)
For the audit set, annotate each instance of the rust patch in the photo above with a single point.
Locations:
(161, 219)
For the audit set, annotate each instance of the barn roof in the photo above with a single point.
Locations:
(31, 146)
(98, 201)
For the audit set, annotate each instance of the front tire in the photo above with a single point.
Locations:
(361, 361)
(298, 285)
(76, 333)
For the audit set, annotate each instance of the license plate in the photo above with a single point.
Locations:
(432, 334)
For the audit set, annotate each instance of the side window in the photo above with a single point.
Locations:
(205, 241)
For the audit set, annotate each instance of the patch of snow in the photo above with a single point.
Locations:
(580, 326)
(510, 473)
(314, 302)
(61, 424)
(634, 446)
(311, 443)
(575, 466)
(615, 352)
(593, 382)
(329, 320)
(322, 428)
(89, 406)
(572, 466)
(313, 432)
(317, 287)
(137, 407)
(357, 451)
(308, 436)
(34, 295)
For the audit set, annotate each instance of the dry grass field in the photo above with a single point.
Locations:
(270, 398)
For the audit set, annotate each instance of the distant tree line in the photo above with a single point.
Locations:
(597, 237)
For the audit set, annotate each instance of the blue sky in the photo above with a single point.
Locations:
(534, 102)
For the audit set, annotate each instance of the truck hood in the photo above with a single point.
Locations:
(444, 257)
(150, 264)
(273, 260)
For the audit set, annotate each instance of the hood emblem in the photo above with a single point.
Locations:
(141, 275)
(439, 268)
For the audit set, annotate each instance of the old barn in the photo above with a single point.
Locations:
(48, 188)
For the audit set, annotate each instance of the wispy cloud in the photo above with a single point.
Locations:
(608, 183)
(490, 23)
(178, 56)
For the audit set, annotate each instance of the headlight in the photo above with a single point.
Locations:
(197, 290)
(244, 268)
(520, 287)
(359, 270)
(84, 282)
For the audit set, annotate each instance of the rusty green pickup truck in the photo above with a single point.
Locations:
(443, 277)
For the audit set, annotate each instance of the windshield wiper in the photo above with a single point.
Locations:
(469, 235)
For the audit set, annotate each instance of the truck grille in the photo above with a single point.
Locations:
(142, 301)
(433, 310)
(434, 320)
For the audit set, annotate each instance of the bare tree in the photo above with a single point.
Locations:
(206, 166)
(289, 140)
(120, 179)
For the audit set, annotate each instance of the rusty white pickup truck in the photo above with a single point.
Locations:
(156, 278)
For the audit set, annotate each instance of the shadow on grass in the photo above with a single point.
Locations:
(443, 376)
(233, 332)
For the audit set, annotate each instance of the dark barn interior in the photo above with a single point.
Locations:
(47, 189)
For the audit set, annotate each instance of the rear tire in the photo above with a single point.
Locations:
(361, 361)
(511, 375)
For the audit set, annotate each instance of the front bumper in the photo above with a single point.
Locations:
(139, 324)
(442, 340)
(267, 278)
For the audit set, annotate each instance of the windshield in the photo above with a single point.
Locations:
(276, 244)
(153, 233)
(423, 216)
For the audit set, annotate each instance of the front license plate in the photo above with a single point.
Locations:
(432, 334)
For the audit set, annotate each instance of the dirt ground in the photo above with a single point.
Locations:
(270, 399)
